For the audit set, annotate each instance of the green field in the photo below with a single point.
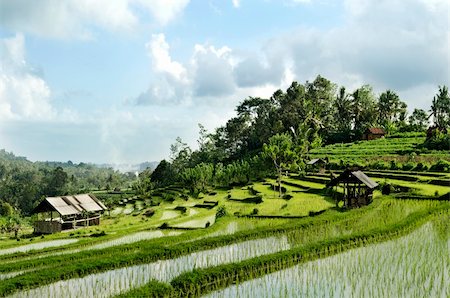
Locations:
(128, 245)
(245, 240)
(401, 150)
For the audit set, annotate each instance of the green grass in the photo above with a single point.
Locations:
(385, 217)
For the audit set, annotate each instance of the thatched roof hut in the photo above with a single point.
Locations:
(65, 212)
(373, 133)
(357, 188)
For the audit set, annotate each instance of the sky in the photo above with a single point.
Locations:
(116, 81)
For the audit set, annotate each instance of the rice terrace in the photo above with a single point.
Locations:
(349, 222)
(173, 149)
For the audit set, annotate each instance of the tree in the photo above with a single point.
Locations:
(163, 174)
(363, 109)
(440, 108)
(57, 181)
(281, 151)
(6, 209)
(343, 114)
(418, 121)
(180, 154)
(391, 111)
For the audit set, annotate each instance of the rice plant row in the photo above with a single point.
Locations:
(417, 265)
(37, 246)
(116, 281)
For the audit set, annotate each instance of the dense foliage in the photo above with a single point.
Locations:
(304, 117)
(25, 183)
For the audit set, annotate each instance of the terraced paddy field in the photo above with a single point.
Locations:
(261, 246)
(405, 149)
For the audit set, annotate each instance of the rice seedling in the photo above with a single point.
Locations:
(117, 281)
(37, 246)
(169, 214)
(197, 223)
(132, 238)
(136, 237)
(416, 265)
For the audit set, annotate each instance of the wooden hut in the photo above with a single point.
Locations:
(55, 214)
(357, 188)
(373, 133)
(317, 164)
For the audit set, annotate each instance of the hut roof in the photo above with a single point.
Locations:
(352, 177)
(71, 205)
(315, 160)
(376, 131)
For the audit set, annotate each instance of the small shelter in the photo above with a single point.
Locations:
(317, 163)
(373, 133)
(357, 188)
(55, 214)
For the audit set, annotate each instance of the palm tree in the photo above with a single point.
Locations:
(440, 108)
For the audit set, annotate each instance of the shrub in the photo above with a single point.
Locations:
(100, 234)
(6, 209)
(408, 166)
(221, 212)
(421, 167)
(287, 197)
(181, 208)
(441, 166)
(386, 189)
(255, 211)
(378, 165)
(394, 165)
(165, 225)
(149, 213)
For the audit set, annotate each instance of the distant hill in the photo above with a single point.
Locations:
(124, 168)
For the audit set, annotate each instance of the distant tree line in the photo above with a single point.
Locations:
(23, 184)
(303, 117)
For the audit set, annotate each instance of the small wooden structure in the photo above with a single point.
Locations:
(318, 164)
(373, 133)
(55, 214)
(357, 188)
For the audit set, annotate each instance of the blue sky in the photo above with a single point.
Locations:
(117, 81)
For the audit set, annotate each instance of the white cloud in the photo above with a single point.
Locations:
(23, 94)
(164, 11)
(162, 62)
(236, 3)
(75, 18)
(388, 44)
(212, 71)
(209, 73)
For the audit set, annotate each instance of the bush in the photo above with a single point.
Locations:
(6, 209)
(379, 165)
(421, 167)
(438, 141)
(181, 208)
(408, 166)
(386, 189)
(394, 165)
(441, 166)
(149, 213)
(100, 234)
(221, 212)
(287, 197)
(255, 211)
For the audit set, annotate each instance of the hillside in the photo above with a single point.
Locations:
(401, 151)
